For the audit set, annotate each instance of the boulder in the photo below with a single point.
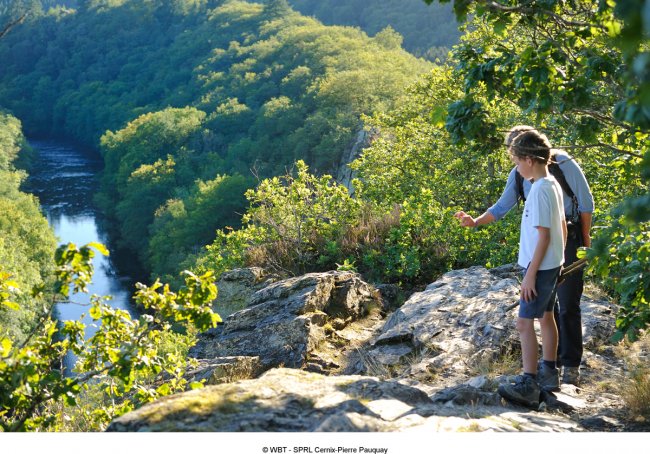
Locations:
(463, 320)
(301, 322)
(457, 320)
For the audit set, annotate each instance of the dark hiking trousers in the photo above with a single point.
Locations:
(568, 316)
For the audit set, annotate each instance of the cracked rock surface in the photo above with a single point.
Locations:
(319, 353)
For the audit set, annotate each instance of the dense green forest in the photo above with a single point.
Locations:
(206, 110)
(290, 88)
(26, 240)
(266, 86)
(407, 17)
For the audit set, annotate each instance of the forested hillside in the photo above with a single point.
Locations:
(182, 141)
(266, 86)
(408, 17)
(26, 240)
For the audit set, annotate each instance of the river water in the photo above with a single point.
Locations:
(64, 180)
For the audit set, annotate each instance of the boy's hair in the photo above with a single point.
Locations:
(514, 132)
(531, 144)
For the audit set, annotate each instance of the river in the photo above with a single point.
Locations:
(64, 180)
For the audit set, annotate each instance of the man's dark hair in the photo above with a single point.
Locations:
(514, 132)
(531, 144)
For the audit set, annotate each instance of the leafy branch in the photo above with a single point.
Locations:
(121, 348)
(529, 11)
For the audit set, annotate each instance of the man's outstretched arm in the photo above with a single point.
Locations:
(468, 221)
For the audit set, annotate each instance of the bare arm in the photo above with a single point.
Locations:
(505, 203)
(528, 291)
(467, 221)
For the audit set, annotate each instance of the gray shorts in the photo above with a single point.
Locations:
(546, 287)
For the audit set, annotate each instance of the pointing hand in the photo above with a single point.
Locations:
(465, 219)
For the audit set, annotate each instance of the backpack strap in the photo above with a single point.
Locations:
(555, 170)
(519, 186)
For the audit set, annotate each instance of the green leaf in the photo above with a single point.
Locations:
(95, 312)
(438, 116)
(163, 389)
(501, 25)
(6, 346)
(613, 27)
(70, 399)
(99, 247)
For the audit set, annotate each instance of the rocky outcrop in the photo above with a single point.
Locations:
(344, 174)
(462, 322)
(302, 322)
(433, 365)
(298, 401)
(459, 320)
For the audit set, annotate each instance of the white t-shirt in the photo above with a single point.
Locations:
(543, 208)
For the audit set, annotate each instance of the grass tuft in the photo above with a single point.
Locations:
(635, 389)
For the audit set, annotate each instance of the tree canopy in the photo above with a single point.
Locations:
(26, 240)
(408, 17)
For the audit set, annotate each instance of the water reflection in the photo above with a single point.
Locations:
(81, 230)
(64, 181)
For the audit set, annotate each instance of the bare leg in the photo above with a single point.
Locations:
(549, 336)
(526, 329)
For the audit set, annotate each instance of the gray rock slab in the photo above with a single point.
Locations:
(424, 358)
(287, 322)
(466, 318)
(291, 400)
(280, 400)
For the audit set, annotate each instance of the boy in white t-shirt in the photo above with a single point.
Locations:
(541, 253)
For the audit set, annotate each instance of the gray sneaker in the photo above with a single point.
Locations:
(548, 379)
(571, 375)
(523, 391)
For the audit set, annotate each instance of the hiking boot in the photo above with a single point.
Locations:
(524, 390)
(571, 375)
(548, 379)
